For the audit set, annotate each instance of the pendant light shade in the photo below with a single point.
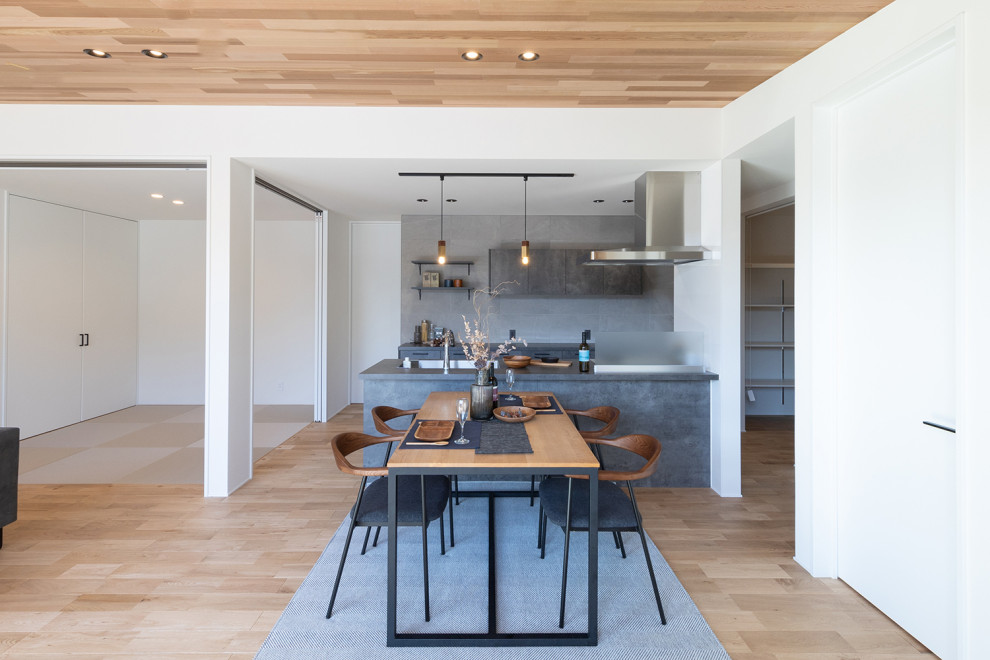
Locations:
(441, 244)
(525, 243)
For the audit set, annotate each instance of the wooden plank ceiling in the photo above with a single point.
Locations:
(593, 53)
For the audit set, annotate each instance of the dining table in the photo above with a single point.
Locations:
(556, 449)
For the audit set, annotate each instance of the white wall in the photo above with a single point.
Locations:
(171, 312)
(376, 249)
(284, 311)
(707, 298)
(807, 92)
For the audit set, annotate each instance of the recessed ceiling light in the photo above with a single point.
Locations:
(422, 199)
(157, 195)
(95, 52)
(178, 202)
(156, 54)
(472, 56)
(529, 56)
(598, 201)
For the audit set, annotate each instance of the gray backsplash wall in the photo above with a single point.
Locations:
(536, 319)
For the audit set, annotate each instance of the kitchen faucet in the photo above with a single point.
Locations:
(448, 340)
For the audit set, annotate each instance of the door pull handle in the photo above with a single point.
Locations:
(939, 426)
(82, 339)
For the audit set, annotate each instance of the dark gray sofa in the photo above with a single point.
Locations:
(9, 454)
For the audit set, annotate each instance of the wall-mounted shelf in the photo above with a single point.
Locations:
(443, 289)
(773, 306)
(760, 383)
(770, 264)
(424, 262)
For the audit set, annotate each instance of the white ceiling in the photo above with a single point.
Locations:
(371, 189)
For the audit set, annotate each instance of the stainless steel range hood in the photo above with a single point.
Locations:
(664, 201)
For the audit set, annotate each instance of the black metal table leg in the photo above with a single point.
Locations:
(393, 556)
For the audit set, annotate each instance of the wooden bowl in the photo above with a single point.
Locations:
(516, 361)
(514, 413)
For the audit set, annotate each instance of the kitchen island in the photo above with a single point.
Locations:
(674, 407)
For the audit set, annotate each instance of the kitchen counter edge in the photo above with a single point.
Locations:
(393, 370)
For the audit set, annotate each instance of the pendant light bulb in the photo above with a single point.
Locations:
(441, 244)
(525, 242)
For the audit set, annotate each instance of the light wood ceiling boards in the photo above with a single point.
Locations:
(593, 53)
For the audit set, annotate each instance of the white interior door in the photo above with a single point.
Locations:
(376, 258)
(896, 190)
(110, 284)
(44, 315)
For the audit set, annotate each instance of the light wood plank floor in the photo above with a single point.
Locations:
(145, 571)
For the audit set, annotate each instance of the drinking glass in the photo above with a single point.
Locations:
(462, 413)
(510, 380)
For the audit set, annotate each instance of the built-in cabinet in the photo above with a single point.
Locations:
(71, 315)
(561, 272)
(769, 312)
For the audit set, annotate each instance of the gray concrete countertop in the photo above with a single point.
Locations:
(393, 370)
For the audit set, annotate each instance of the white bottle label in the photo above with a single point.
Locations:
(584, 355)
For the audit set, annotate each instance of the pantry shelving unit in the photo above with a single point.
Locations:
(769, 312)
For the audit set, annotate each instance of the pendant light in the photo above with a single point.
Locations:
(441, 244)
(525, 243)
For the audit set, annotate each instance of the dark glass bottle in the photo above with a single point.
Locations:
(584, 354)
(493, 382)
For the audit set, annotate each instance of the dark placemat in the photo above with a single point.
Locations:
(515, 400)
(503, 438)
(474, 435)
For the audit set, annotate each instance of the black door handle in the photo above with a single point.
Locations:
(939, 426)
(82, 339)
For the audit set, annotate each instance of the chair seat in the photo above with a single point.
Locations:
(374, 503)
(615, 510)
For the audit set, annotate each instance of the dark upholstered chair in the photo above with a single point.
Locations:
(608, 417)
(10, 444)
(565, 503)
(381, 415)
(422, 500)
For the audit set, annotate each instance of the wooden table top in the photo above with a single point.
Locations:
(555, 442)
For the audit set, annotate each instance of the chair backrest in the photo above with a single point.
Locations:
(382, 414)
(345, 444)
(645, 446)
(607, 415)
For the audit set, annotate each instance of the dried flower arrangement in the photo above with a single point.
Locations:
(474, 342)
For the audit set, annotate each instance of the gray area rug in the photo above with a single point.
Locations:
(528, 595)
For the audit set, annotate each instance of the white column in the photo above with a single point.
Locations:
(228, 326)
(708, 298)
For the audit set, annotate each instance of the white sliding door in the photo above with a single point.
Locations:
(71, 315)
(44, 314)
(109, 315)
(896, 212)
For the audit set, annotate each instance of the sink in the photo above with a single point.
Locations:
(438, 364)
